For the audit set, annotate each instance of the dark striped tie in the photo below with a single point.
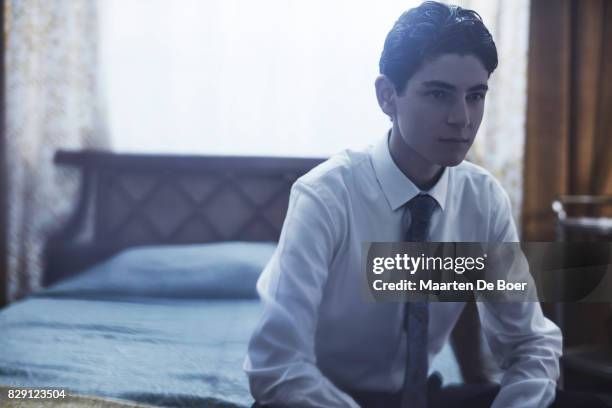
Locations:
(416, 317)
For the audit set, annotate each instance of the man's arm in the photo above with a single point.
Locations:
(527, 344)
(528, 347)
(281, 362)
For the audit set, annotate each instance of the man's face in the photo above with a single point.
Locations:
(441, 108)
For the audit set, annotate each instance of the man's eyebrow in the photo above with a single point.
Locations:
(447, 86)
(439, 84)
(479, 87)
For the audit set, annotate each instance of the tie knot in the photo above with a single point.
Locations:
(417, 217)
(422, 204)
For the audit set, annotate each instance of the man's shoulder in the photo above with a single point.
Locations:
(472, 170)
(337, 174)
(475, 173)
(476, 180)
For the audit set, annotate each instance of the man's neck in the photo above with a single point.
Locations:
(421, 172)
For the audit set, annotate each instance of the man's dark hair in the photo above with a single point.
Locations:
(430, 30)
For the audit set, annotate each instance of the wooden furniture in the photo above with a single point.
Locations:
(587, 327)
(588, 368)
(128, 200)
(575, 221)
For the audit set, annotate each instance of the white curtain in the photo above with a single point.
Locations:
(283, 77)
(51, 103)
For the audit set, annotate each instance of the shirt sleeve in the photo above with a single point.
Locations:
(281, 363)
(526, 343)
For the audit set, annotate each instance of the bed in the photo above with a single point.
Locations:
(149, 291)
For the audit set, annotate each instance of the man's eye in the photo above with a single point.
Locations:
(437, 94)
(475, 97)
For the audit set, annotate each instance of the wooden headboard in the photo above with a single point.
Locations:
(128, 200)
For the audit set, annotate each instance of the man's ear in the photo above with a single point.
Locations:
(385, 93)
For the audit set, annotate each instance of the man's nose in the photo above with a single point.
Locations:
(459, 115)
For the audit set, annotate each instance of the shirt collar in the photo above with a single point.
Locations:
(397, 188)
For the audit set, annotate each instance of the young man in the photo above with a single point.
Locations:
(319, 344)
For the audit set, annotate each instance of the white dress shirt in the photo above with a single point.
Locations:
(318, 336)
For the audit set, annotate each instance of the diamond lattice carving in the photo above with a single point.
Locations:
(191, 206)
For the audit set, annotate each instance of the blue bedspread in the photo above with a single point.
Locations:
(149, 325)
(162, 352)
